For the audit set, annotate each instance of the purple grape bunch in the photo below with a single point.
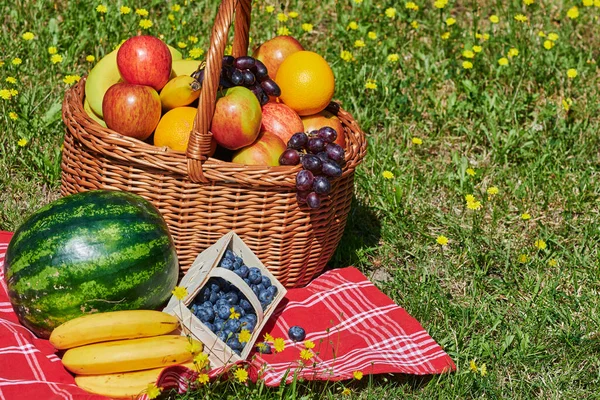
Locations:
(248, 72)
(217, 297)
(321, 161)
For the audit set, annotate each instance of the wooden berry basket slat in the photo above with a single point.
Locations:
(203, 198)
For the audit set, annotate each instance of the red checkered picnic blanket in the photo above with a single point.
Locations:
(354, 327)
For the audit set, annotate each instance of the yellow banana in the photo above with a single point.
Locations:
(175, 54)
(92, 114)
(179, 92)
(184, 67)
(130, 355)
(125, 385)
(104, 74)
(114, 325)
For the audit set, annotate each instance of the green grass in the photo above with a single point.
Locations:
(530, 315)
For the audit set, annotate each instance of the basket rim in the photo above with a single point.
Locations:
(117, 146)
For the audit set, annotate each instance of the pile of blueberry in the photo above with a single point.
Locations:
(216, 299)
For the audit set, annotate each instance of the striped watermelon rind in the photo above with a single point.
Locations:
(94, 251)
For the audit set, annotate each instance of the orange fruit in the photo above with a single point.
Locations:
(174, 128)
(325, 118)
(306, 82)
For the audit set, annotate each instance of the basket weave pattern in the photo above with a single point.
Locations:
(203, 198)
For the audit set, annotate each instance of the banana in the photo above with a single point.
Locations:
(184, 67)
(104, 74)
(123, 385)
(175, 54)
(178, 92)
(130, 355)
(114, 325)
(92, 114)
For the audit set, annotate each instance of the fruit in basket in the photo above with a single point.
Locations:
(104, 74)
(125, 385)
(115, 325)
(178, 92)
(184, 67)
(131, 110)
(92, 114)
(274, 51)
(306, 81)
(264, 151)
(237, 118)
(130, 355)
(175, 54)
(145, 60)
(174, 128)
(281, 120)
(90, 252)
(325, 118)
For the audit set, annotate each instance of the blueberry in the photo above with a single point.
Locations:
(209, 326)
(207, 304)
(245, 305)
(272, 290)
(263, 348)
(266, 282)
(230, 255)
(236, 265)
(255, 289)
(237, 309)
(254, 276)
(232, 325)
(218, 324)
(239, 259)
(248, 322)
(214, 297)
(223, 311)
(242, 271)
(226, 263)
(193, 308)
(205, 314)
(297, 334)
(232, 298)
(247, 281)
(265, 297)
(222, 335)
(234, 343)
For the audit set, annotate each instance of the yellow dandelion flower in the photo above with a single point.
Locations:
(56, 58)
(201, 360)
(228, 50)
(440, 4)
(283, 31)
(393, 57)
(171, 17)
(175, 7)
(16, 61)
(153, 391)
(372, 35)
(390, 12)
(371, 84)
(573, 12)
(180, 292)
(241, 375)
(203, 378)
(124, 10)
(467, 64)
(566, 103)
(468, 54)
(11, 79)
(306, 354)
(145, 23)
(450, 21)
(528, 2)
(471, 172)
(469, 198)
(445, 36)
(13, 92)
(28, 36)
(359, 43)
(358, 375)
(477, 49)
(181, 45)
(483, 368)
(571, 73)
(473, 205)
(494, 19)
(193, 39)
(492, 191)
(417, 141)
(553, 36)
(512, 52)
(307, 27)
(22, 142)
(473, 366)
(442, 240)
(411, 6)
(352, 25)
(346, 392)
(269, 338)
(244, 336)
(588, 3)
(90, 58)
(71, 79)
(540, 244)
(548, 44)
(269, 9)
(541, 34)
(525, 216)
(309, 344)
(486, 36)
(552, 262)
(293, 14)
(521, 18)
(52, 50)
(503, 61)
(281, 17)
(387, 175)
(101, 9)
(415, 24)
(196, 52)
(5, 94)
(142, 12)
(13, 115)
(522, 258)
(597, 3)
(279, 345)
(194, 347)
(233, 314)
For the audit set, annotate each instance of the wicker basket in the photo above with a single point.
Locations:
(203, 198)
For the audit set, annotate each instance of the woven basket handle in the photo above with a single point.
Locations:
(200, 137)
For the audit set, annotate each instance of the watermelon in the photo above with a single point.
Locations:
(90, 252)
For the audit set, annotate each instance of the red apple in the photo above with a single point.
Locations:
(145, 60)
(265, 151)
(236, 122)
(274, 51)
(131, 110)
(281, 120)
(325, 118)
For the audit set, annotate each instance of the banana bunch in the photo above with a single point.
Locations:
(117, 354)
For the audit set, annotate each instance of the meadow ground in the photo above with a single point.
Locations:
(478, 200)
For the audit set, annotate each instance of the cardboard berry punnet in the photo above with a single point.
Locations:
(206, 266)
